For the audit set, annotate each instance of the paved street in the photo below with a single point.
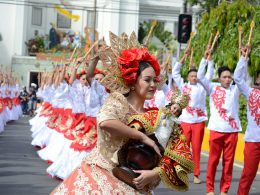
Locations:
(22, 172)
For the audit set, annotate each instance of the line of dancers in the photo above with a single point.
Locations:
(10, 108)
(65, 126)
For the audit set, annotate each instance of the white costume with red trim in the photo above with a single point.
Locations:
(40, 132)
(196, 110)
(2, 111)
(65, 125)
(55, 141)
(87, 101)
(252, 95)
(224, 105)
(193, 117)
(10, 108)
(224, 124)
(252, 134)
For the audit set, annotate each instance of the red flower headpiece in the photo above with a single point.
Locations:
(80, 74)
(129, 63)
(97, 71)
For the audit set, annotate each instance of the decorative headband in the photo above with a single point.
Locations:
(121, 62)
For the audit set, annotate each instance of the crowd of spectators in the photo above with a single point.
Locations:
(29, 100)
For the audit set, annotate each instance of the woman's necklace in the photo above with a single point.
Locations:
(133, 109)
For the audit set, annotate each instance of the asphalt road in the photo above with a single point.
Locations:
(22, 172)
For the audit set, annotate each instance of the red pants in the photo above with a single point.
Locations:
(194, 133)
(219, 142)
(251, 162)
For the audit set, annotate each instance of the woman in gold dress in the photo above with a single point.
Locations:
(131, 75)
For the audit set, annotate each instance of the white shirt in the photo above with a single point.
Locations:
(47, 93)
(61, 98)
(95, 98)
(196, 110)
(77, 93)
(253, 103)
(4, 90)
(224, 105)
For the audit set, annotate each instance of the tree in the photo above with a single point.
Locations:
(206, 5)
(226, 18)
(166, 37)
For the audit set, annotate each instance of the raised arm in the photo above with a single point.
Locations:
(51, 77)
(91, 68)
(43, 79)
(62, 74)
(57, 77)
(177, 68)
(239, 76)
(177, 76)
(204, 80)
(210, 70)
(75, 66)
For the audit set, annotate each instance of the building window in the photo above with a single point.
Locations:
(63, 22)
(36, 16)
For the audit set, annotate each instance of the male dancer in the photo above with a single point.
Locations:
(224, 125)
(194, 115)
(252, 135)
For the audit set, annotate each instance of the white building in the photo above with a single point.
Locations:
(20, 19)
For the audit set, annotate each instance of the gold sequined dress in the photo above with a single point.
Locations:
(94, 176)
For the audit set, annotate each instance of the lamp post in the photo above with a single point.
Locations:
(94, 23)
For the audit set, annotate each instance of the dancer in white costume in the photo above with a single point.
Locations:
(40, 135)
(195, 114)
(10, 108)
(87, 100)
(67, 129)
(61, 103)
(2, 109)
(16, 108)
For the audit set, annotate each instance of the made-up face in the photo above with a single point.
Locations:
(83, 79)
(146, 84)
(176, 110)
(225, 79)
(192, 77)
(98, 77)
